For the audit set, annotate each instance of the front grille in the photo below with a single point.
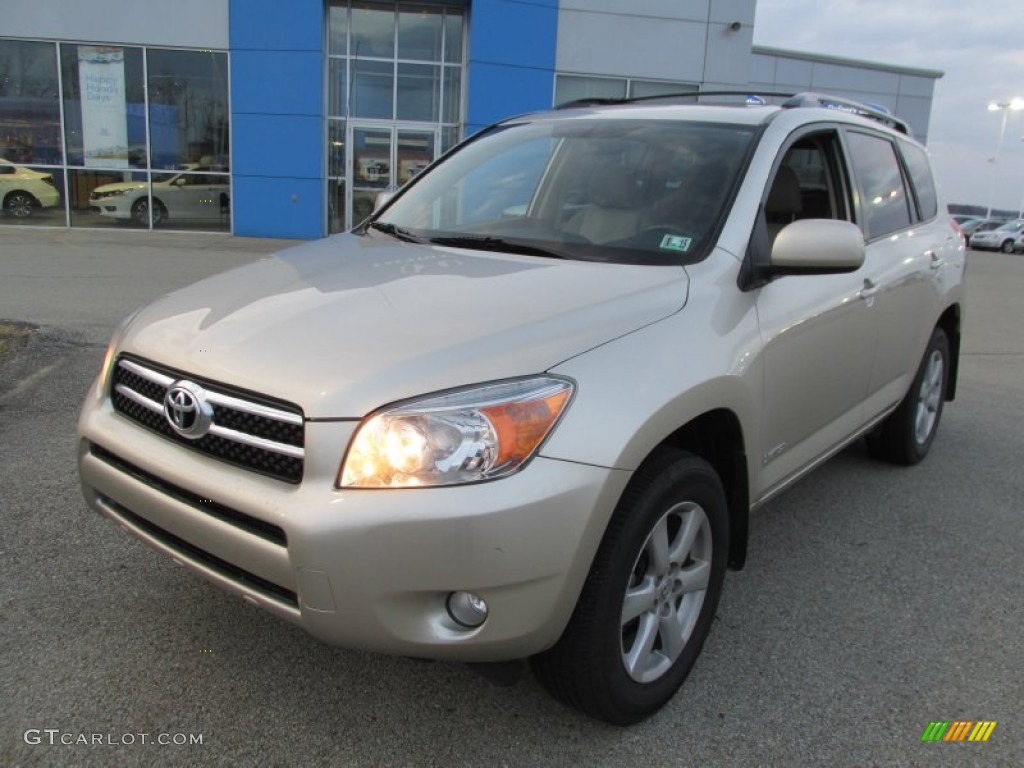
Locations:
(257, 433)
(249, 524)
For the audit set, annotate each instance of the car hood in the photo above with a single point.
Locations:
(26, 173)
(344, 325)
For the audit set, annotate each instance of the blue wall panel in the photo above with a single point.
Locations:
(511, 59)
(278, 146)
(266, 75)
(277, 118)
(277, 25)
(275, 207)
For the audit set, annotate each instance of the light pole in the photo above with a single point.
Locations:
(1021, 213)
(1005, 107)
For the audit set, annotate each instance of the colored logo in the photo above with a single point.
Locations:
(958, 730)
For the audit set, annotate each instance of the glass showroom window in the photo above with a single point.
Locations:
(395, 75)
(31, 152)
(116, 136)
(574, 87)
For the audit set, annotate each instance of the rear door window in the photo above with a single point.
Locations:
(884, 203)
(921, 177)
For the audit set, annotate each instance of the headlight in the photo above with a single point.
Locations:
(473, 434)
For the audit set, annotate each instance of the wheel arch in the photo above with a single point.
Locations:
(717, 437)
(950, 323)
(11, 193)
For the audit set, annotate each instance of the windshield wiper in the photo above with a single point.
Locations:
(397, 232)
(491, 243)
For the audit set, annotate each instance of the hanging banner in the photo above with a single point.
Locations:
(104, 116)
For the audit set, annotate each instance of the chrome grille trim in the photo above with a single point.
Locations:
(256, 442)
(255, 409)
(155, 376)
(249, 433)
(142, 400)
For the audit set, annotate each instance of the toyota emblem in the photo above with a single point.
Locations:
(186, 410)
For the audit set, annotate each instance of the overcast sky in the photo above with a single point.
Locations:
(980, 47)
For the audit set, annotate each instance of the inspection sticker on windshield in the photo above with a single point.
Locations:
(676, 243)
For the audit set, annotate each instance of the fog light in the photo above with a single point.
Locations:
(467, 609)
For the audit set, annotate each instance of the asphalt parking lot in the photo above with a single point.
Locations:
(875, 599)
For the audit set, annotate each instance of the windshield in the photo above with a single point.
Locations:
(632, 191)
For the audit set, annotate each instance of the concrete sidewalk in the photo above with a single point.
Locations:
(87, 280)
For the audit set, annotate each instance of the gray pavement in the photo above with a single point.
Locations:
(875, 599)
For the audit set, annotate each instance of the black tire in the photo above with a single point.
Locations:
(19, 204)
(159, 212)
(1007, 246)
(908, 432)
(140, 211)
(587, 667)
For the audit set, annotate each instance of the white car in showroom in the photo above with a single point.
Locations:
(195, 193)
(22, 190)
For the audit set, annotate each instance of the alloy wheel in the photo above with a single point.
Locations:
(929, 398)
(665, 592)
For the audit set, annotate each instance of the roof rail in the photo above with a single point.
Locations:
(603, 101)
(757, 98)
(841, 104)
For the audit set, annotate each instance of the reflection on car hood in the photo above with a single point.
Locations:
(21, 172)
(344, 325)
(120, 186)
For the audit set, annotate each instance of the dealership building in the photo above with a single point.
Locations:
(286, 119)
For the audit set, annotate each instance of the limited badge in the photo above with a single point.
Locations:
(676, 243)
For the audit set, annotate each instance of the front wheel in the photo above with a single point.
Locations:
(908, 432)
(19, 204)
(649, 600)
(1007, 246)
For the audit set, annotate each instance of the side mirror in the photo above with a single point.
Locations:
(817, 246)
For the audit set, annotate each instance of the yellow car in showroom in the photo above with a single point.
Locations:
(23, 190)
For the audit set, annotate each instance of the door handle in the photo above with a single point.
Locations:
(935, 260)
(869, 290)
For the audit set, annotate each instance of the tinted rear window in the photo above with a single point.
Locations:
(921, 177)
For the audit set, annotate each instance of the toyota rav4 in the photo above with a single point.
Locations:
(525, 409)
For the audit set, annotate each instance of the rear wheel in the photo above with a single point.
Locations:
(650, 597)
(907, 434)
(19, 204)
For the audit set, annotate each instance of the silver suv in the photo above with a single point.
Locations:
(525, 409)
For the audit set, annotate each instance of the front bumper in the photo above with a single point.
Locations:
(367, 569)
(984, 242)
(114, 207)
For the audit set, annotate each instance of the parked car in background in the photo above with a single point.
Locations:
(980, 224)
(23, 190)
(1003, 238)
(961, 218)
(1019, 245)
(195, 193)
